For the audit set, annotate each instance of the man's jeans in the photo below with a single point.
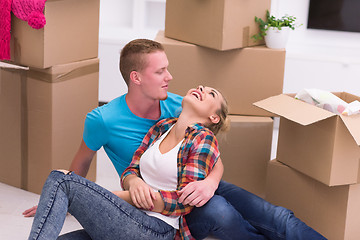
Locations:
(102, 214)
(234, 213)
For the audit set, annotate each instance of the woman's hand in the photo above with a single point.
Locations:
(141, 194)
(197, 193)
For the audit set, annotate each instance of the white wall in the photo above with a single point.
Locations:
(120, 22)
(329, 60)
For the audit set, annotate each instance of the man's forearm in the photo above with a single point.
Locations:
(82, 160)
(79, 168)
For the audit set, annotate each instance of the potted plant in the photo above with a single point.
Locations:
(275, 30)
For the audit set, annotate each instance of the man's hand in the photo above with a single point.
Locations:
(197, 193)
(30, 212)
(141, 194)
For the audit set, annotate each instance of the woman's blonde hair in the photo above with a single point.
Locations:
(224, 122)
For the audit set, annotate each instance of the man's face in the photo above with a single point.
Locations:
(155, 76)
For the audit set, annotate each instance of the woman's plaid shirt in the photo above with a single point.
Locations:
(196, 157)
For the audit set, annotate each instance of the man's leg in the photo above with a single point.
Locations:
(221, 220)
(102, 214)
(273, 221)
(75, 235)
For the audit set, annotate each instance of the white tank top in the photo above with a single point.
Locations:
(159, 171)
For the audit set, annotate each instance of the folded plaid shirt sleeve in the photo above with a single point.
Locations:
(196, 158)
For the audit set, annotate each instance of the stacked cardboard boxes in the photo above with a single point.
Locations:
(217, 24)
(47, 91)
(209, 43)
(316, 173)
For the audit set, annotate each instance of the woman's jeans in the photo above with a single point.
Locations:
(102, 214)
(234, 213)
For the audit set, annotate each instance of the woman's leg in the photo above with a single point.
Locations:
(273, 221)
(221, 220)
(102, 214)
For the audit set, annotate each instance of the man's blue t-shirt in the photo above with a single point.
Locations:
(114, 127)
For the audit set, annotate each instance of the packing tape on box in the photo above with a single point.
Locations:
(246, 36)
(60, 77)
(11, 67)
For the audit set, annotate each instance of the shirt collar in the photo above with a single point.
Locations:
(171, 121)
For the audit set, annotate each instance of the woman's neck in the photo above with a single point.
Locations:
(183, 122)
(177, 132)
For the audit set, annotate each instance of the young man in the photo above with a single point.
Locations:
(120, 126)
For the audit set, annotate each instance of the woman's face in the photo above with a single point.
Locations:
(206, 101)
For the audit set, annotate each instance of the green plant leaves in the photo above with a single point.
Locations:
(271, 21)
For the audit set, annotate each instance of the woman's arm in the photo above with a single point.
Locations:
(200, 158)
(158, 202)
(141, 194)
(199, 192)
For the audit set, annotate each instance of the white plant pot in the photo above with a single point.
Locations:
(276, 38)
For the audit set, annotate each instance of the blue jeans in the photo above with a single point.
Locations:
(234, 213)
(102, 214)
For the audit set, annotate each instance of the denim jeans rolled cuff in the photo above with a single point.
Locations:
(102, 214)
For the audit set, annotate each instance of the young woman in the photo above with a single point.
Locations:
(174, 153)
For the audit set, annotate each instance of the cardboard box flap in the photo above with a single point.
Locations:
(353, 125)
(293, 109)
(12, 66)
(65, 72)
(160, 37)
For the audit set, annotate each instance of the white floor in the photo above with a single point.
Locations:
(14, 201)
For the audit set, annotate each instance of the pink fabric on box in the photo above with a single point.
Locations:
(31, 11)
(5, 26)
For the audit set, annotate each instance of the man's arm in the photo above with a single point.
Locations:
(82, 160)
(199, 192)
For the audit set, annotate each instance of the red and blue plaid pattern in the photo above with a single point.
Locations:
(196, 157)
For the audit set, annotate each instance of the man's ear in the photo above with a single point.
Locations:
(214, 118)
(135, 78)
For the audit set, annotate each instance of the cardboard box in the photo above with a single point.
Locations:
(71, 34)
(217, 24)
(245, 152)
(332, 211)
(12, 159)
(54, 104)
(317, 142)
(236, 73)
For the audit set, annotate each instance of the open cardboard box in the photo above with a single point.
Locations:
(316, 142)
(235, 73)
(217, 24)
(332, 211)
(42, 114)
(71, 34)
